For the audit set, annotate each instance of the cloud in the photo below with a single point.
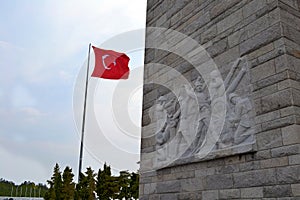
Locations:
(71, 26)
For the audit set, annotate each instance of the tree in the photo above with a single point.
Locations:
(90, 175)
(124, 185)
(79, 191)
(68, 186)
(55, 183)
(86, 186)
(134, 185)
(106, 185)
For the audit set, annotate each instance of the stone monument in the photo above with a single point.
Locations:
(221, 103)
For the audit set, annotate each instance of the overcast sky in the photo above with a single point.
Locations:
(43, 50)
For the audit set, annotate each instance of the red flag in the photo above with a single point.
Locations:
(110, 64)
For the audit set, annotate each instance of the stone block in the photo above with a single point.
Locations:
(237, 37)
(217, 48)
(291, 110)
(254, 192)
(289, 174)
(230, 194)
(296, 189)
(221, 7)
(274, 162)
(190, 185)
(264, 91)
(168, 186)
(154, 197)
(291, 135)
(144, 197)
(208, 34)
(289, 19)
(289, 83)
(200, 173)
(219, 182)
(190, 7)
(269, 139)
(291, 33)
(261, 51)
(150, 188)
(210, 195)
(254, 178)
(277, 191)
(270, 56)
(265, 37)
(274, 16)
(141, 189)
(267, 117)
(296, 96)
(230, 21)
(235, 159)
(294, 159)
(253, 6)
(180, 175)
(291, 3)
(148, 142)
(275, 101)
(258, 26)
(278, 123)
(168, 196)
(175, 18)
(265, 154)
(262, 71)
(285, 150)
(228, 169)
(189, 196)
(271, 80)
(161, 20)
(227, 57)
(195, 23)
(146, 165)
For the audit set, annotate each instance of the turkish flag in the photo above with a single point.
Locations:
(110, 64)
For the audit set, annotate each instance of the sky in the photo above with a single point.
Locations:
(43, 54)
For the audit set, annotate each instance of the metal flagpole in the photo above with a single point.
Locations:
(84, 112)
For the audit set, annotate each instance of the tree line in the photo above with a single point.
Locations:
(102, 185)
(25, 189)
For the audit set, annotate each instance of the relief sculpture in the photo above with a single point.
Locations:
(183, 120)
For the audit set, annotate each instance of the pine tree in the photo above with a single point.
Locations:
(123, 183)
(107, 185)
(86, 186)
(79, 192)
(90, 175)
(55, 183)
(134, 185)
(68, 186)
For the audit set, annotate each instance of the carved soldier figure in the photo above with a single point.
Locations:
(201, 102)
(240, 120)
(217, 101)
(160, 113)
(166, 128)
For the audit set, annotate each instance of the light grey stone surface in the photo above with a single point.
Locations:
(254, 192)
(266, 33)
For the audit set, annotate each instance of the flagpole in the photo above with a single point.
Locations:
(84, 114)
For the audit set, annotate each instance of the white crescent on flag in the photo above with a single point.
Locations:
(105, 66)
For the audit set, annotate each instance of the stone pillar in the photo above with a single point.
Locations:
(255, 155)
